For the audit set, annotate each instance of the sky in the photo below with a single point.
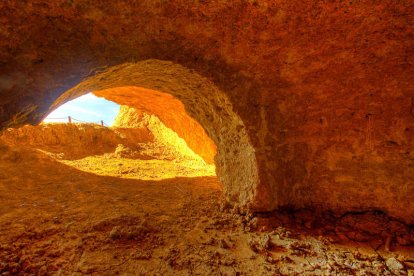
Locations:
(87, 108)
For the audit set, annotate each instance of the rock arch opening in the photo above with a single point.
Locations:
(143, 142)
(85, 109)
(310, 105)
(147, 85)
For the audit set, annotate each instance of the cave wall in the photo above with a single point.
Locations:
(324, 88)
(236, 164)
(168, 109)
(165, 137)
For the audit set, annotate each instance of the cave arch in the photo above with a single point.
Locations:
(235, 160)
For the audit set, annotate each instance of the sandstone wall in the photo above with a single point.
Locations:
(131, 118)
(324, 90)
(168, 109)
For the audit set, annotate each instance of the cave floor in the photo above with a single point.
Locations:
(56, 219)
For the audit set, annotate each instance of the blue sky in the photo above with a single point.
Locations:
(88, 108)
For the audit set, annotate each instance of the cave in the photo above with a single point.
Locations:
(298, 119)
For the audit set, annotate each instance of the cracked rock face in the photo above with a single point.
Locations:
(313, 102)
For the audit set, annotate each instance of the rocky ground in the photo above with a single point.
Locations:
(58, 220)
(151, 162)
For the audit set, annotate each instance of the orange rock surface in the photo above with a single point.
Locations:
(310, 103)
(170, 111)
(149, 151)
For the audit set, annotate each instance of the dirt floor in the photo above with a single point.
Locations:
(155, 166)
(56, 219)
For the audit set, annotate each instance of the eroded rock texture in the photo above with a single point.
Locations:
(131, 118)
(235, 159)
(170, 111)
(323, 90)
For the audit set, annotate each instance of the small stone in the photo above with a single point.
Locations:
(115, 233)
(225, 206)
(223, 244)
(261, 244)
(394, 265)
(253, 223)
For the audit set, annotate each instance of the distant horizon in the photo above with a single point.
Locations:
(87, 108)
